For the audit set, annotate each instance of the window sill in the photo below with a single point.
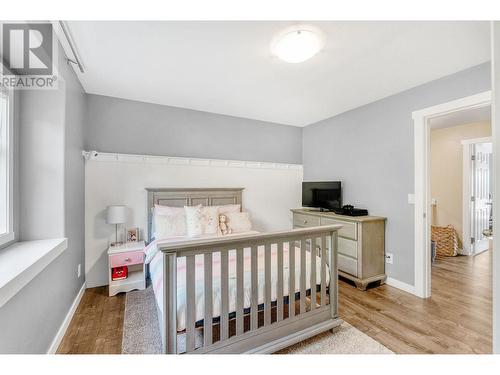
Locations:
(6, 238)
(22, 261)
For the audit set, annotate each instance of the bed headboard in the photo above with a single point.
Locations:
(180, 197)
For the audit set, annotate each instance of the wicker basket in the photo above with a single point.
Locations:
(446, 239)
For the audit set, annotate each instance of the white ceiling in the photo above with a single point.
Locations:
(226, 67)
(468, 116)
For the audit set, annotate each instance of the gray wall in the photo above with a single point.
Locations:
(370, 149)
(41, 155)
(51, 204)
(125, 126)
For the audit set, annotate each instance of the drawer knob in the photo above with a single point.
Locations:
(127, 259)
(305, 221)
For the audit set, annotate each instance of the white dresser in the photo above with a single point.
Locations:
(361, 243)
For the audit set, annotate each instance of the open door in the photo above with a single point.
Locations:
(480, 188)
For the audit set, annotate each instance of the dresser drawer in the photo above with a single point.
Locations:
(349, 230)
(300, 220)
(348, 265)
(126, 259)
(348, 247)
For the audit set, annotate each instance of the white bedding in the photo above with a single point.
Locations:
(156, 271)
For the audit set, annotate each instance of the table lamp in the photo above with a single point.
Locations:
(116, 214)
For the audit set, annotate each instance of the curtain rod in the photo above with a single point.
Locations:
(71, 44)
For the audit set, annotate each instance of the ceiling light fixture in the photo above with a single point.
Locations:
(297, 44)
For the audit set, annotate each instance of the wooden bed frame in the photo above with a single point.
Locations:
(268, 327)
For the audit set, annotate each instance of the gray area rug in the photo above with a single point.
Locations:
(141, 333)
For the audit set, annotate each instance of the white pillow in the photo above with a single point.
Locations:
(168, 210)
(229, 208)
(195, 220)
(211, 219)
(175, 225)
(239, 221)
(166, 226)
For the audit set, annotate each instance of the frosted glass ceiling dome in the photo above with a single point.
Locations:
(297, 44)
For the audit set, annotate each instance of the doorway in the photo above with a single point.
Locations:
(460, 184)
(422, 197)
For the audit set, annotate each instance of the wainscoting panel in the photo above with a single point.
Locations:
(271, 189)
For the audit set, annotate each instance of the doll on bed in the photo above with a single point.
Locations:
(224, 227)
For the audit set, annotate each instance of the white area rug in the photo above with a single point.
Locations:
(141, 333)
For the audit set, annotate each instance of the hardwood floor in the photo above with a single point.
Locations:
(456, 319)
(97, 326)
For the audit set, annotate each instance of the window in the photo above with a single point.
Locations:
(6, 227)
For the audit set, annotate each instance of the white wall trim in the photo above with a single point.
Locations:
(65, 324)
(174, 160)
(421, 119)
(495, 129)
(400, 285)
(466, 194)
(9, 236)
(476, 140)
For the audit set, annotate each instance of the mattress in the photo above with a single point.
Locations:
(156, 274)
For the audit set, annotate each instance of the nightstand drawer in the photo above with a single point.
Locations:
(126, 259)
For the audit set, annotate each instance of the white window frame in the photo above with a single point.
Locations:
(9, 236)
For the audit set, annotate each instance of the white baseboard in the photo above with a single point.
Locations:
(64, 326)
(401, 285)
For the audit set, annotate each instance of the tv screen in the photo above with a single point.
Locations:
(322, 194)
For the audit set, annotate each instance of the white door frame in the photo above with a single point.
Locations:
(466, 191)
(421, 120)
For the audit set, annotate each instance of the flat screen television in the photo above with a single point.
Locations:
(326, 195)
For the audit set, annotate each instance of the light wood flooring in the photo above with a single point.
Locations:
(456, 319)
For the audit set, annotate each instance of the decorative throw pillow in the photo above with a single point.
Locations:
(239, 221)
(229, 208)
(211, 218)
(195, 220)
(166, 226)
(168, 210)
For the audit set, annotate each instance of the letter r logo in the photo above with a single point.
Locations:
(27, 48)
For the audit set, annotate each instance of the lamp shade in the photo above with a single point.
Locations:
(116, 214)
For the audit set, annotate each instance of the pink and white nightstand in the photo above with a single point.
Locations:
(131, 255)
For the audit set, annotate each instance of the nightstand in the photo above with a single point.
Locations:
(130, 254)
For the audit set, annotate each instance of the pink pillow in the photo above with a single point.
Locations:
(229, 208)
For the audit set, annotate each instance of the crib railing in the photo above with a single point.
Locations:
(265, 327)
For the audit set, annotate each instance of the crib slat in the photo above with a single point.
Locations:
(314, 242)
(254, 313)
(207, 320)
(303, 276)
(291, 279)
(279, 287)
(239, 291)
(323, 271)
(224, 321)
(267, 284)
(333, 289)
(169, 326)
(190, 303)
